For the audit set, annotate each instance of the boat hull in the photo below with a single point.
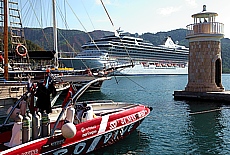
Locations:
(83, 63)
(95, 143)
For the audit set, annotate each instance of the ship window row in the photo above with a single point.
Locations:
(151, 57)
(150, 53)
(125, 43)
(158, 58)
(140, 52)
(141, 48)
(153, 49)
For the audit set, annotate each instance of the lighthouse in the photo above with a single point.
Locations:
(205, 63)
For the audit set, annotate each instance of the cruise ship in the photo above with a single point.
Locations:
(147, 59)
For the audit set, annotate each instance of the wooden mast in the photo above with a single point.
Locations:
(6, 39)
(55, 35)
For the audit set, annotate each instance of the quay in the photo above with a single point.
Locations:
(203, 96)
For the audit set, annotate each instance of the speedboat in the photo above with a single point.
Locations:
(73, 127)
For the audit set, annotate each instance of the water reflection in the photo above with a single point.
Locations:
(93, 95)
(205, 128)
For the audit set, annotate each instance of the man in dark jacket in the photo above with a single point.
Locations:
(43, 94)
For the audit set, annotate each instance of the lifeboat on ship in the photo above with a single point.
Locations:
(145, 64)
(71, 128)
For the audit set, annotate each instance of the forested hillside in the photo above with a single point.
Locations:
(73, 39)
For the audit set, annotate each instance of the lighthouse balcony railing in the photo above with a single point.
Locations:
(205, 28)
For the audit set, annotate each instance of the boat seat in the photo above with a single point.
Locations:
(106, 111)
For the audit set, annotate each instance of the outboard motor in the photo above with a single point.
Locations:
(45, 124)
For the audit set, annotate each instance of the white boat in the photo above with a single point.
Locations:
(171, 58)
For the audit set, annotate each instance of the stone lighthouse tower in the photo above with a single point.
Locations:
(205, 64)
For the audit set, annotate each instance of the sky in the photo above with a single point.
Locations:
(134, 16)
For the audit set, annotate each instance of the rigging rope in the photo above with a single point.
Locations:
(40, 24)
(80, 22)
(83, 28)
(115, 31)
(63, 17)
(87, 14)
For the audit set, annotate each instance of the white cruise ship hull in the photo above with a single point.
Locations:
(83, 63)
(89, 63)
(140, 69)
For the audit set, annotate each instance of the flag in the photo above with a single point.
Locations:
(69, 95)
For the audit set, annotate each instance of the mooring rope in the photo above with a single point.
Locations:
(205, 111)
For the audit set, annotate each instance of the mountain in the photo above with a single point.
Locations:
(67, 39)
(73, 39)
(158, 38)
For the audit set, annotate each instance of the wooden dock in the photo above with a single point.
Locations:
(223, 96)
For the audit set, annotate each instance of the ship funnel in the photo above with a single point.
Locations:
(204, 8)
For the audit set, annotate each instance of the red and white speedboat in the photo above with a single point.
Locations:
(73, 128)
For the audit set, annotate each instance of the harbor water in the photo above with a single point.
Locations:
(173, 127)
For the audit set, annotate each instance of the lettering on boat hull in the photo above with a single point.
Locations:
(102, 140)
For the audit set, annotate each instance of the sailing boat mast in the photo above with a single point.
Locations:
(6, 39)
(55, 34)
